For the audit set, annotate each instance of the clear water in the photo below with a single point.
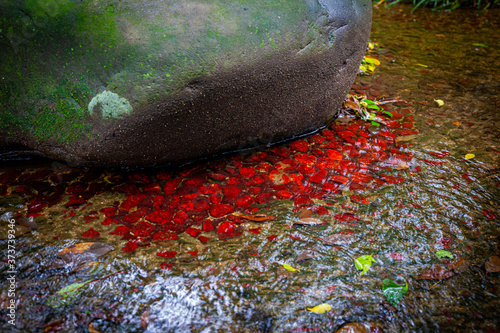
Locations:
(201, 267)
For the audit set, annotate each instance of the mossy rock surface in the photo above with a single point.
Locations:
(152, 82)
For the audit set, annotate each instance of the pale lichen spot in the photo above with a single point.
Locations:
(110, 105)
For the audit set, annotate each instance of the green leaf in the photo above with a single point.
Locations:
(393, 291)
(480, 45)
(444, 253)
(369, 61)
(374, 123)
(72, 288)
(67, 293)
(364, 263)
(387, 112)
(371, 104)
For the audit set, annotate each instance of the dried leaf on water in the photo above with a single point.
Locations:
(320, 309)
(341, 239)
(306, 255)
(258, 217)
(493, 265)
(436, 273)
(309, 221)
(405, 138)
(81, 253)
(304, 213)
(393, 291)
(459, 265)
(443, 253)
(352, 328)
(364, 263)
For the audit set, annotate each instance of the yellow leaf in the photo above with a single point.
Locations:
(370, 46)
(289, 268)
(422, 65)
(469, 156)
(439, 102)
(320, 309)
(375, 61)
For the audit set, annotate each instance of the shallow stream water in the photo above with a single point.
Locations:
(187, 257)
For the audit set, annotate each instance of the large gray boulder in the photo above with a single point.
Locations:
(143, 82)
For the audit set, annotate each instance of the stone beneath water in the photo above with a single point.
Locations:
(147, 82)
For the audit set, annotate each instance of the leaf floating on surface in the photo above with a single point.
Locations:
(288, 267)
(436, 273)
(309, 221)
(469, 156)
(320, 309)
(443, 253)
(481, 45)
(439, 102)
(393, 291)
(493, 265)
(341, 239)
(258, 217)
(364, 263)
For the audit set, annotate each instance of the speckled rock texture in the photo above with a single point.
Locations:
(138, 83)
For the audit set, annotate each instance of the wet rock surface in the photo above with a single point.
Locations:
(147, 83)
(199, 246)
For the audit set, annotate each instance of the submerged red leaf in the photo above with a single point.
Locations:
(91, 233)
(166, 254)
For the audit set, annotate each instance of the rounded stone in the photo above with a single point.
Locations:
(155, 82)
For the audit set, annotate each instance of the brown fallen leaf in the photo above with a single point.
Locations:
(401, 166)
(305, 213)
(341, 239)
(77, 248)
(309, 221)
(283, 273)
(459, 265)
(306, 255)
(405, 138)
(493, 265)
(258, 217)
(351, 105)
(82, 252)
(436, 273)
(353, 328)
